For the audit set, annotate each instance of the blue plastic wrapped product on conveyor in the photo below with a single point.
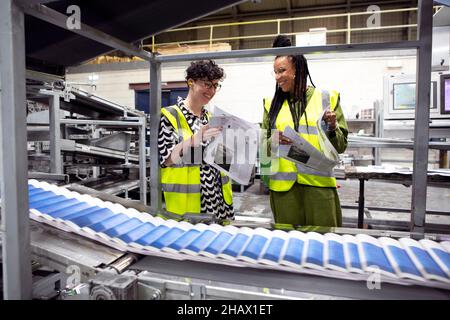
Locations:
(313, 255)
(273, 251)
(93, 217)
(201, 241)
(423, 261)
(44, 205)
(64, 212)
(403, 261)
(122, 228)
(220, 242)
(35, 199)
(138, 233)
(75, 216)
(439, 254)
(237, 244)
(294, 249)
(64, 204)
(372, 255)
(399, 259)
(256, 245)
(334, 256)
(109, 223)
(153, 235)
(351, 254)
(169, 237)
(185, 239)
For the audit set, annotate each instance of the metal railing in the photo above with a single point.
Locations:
(348, 30)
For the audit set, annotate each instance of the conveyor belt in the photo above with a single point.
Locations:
(403, 261)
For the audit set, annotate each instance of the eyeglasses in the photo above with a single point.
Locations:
(210, 85)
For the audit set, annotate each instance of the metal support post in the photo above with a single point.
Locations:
(155, 114)
(349, 27)
(55, 135)
(421, 126)
(14, 183)
(361, 204)
(443, 159)
(95, 169)
(378, 129)
(142, 163)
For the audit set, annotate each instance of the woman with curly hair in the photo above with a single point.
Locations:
(190, 185)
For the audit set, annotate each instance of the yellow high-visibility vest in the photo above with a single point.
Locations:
(181, 182)
(285, 173)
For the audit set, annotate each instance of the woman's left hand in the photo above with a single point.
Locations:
(330, 119)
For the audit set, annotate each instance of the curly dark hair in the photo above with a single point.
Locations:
(204, 69)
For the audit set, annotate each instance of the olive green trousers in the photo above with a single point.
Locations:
(307, 206)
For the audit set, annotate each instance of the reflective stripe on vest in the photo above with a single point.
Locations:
(182, 165)
(307, 170)
(284, 172)
(181, 188)
(181, 182)
(289, 176)
(174, 114)
(307, 129)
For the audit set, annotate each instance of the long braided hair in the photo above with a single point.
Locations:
(300, 82)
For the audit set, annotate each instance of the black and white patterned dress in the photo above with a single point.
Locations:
(211, 195)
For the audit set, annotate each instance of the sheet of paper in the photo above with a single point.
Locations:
(305, 155)
(234, 151)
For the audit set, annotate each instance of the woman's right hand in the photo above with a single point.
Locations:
(279, 138)
(210, 132)
(205, 133)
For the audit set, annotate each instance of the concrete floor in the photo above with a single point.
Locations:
(253, 203)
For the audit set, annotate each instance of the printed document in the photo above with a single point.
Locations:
(234, 151)
(305, 154)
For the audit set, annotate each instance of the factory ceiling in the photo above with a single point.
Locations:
(262, 9)
(50, 48)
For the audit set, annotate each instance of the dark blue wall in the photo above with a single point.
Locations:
(168, 98)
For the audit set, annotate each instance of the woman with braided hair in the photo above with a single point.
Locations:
(299, 195)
